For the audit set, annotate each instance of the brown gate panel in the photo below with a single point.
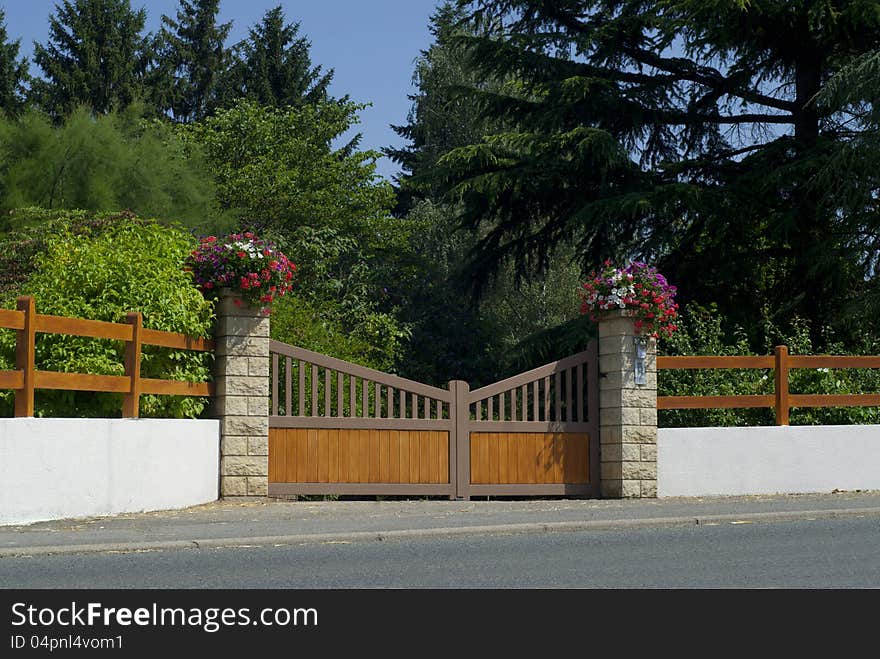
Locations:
(529, 458)
(302, 455)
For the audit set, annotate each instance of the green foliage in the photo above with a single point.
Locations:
(96, 56)
(277, 168)
(101, 267)
(13, 72)
(273, 68)
(704, 331)
(102, 164)
(190, 59)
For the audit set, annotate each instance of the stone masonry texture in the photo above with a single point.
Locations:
(242, 398)
(627, 412)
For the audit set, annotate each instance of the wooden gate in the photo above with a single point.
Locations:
(340, 428)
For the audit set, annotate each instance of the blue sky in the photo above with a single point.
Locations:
(371, 45)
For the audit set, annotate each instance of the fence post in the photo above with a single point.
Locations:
(241, 388)
(781, 385)
(460, 417)
(24, 357)
(131, 400)
(627, 411)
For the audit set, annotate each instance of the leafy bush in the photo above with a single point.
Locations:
(703, 331)
(101, 267)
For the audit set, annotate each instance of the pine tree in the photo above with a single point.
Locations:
(190, 60)
(96, 56)
(13, 72)
(685, 132)
(273, 66)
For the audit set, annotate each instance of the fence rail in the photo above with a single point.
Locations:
(25, 379)
(781, 400)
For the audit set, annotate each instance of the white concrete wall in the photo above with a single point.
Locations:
(59, 468)
(767, 460)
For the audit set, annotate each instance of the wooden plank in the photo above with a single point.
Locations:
(328, 387)
(834, 400)
(333, 455)
(312, 456)
(444, 457)
(569, 400)
(11, 379)
(301, 371)
(374, 456)
(494, 458)
(176, 387)
(393, 456)
(414, 475)
(301, 443)
(547, 459)
(288, 386)
(476, 467)
(273, 453)
(344, 451)
(524, 404)
(558, 471)
(781, 385)
(424, 456)
(506, 453)
(95, 329)
(364, 455)
(25, 359)
(580, 392)
(131, 400)
(557, 398)
(730, 361)
(81, 382)
(490, 412)
(377, 391)
(10, 319)
(535, 413)
(314, 390)
(403, 458)
(402, 398)
(176, 340)
(834, 361)
(709, 402)
(384, 456)
(275, 376)
(365, 399)
(433, 457)
(546, 399)
(352, 396)
(389, 412)
(340, 395)
(323, 459)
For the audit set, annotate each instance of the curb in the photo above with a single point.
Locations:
(437, 532)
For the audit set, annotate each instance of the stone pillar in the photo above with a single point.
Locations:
(241, 381)
(627, 411)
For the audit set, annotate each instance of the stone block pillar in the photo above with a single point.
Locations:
(241, 381)
(627, 411)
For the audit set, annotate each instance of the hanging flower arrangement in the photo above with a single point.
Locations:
(244, 263)
(638, 288)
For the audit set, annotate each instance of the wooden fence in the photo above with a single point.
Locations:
(781, 400)
(25, 379)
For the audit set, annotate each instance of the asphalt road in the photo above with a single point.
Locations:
(822, 553)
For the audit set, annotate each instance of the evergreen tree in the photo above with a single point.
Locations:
(13, 72)
(273, 66)
(96, 56)
(685, 132)
(190, 60)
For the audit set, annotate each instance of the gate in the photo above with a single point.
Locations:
(340, 428)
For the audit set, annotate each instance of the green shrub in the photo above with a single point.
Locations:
(702, 331)
(101, 267)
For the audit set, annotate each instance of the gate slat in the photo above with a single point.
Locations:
(274, 385)
(558, 396)
(288, 387)
(314, 390)
(302, 389)
(340, 394)
(580, 392)
(568, 397)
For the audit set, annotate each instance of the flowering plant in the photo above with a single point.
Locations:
(244, 263)
(637, 287)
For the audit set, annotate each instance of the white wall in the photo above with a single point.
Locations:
(58, 468)
(767, 460)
